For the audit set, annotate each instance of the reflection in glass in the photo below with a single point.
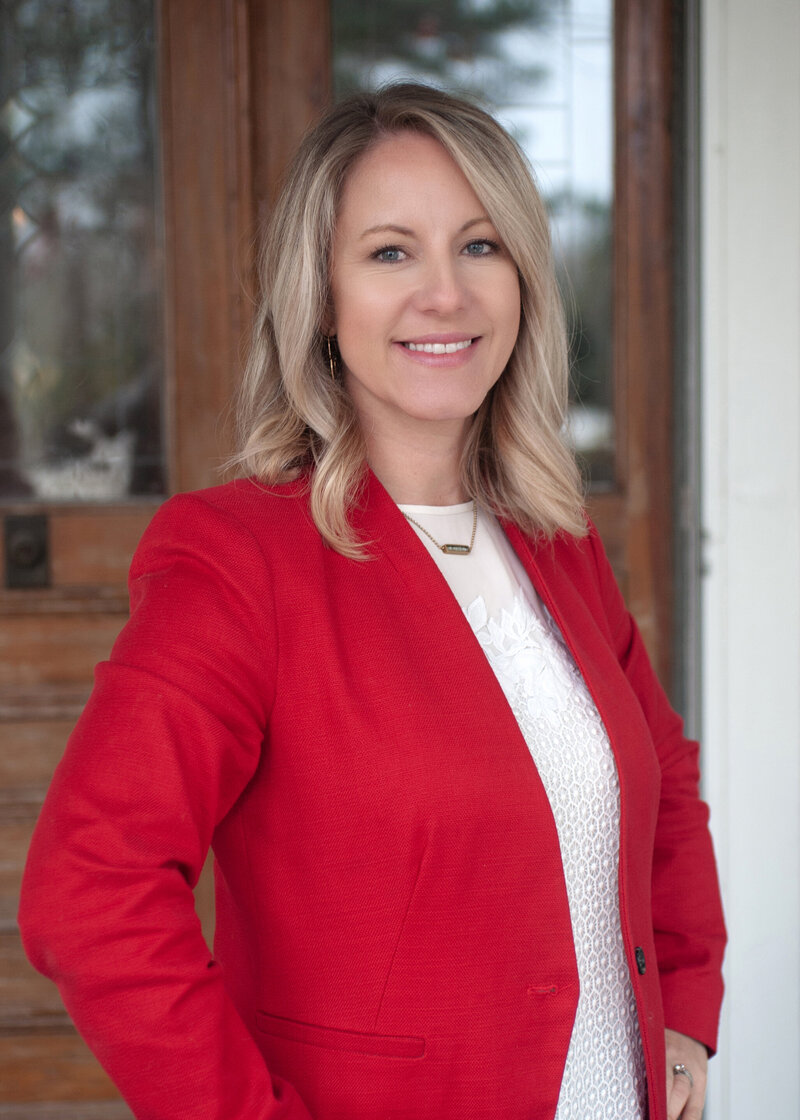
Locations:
(80, 252)
(544, 68)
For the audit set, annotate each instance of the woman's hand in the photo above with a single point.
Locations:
(685, 1100)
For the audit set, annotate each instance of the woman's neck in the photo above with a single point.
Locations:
(427, 475)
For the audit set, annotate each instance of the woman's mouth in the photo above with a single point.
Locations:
(439, 347)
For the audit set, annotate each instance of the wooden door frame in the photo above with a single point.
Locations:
(260, 70)
(637, 518)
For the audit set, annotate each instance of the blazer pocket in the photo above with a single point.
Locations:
(332, 1038)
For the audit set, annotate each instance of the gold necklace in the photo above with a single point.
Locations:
(450, 549)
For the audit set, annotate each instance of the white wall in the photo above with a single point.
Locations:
(750, 370)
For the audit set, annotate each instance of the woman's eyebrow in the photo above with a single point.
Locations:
(388, 229)
(405, 232)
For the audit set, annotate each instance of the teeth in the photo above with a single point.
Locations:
(438, 347)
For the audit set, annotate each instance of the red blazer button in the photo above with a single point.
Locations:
(641, 963)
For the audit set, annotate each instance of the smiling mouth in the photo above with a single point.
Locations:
(439, 347)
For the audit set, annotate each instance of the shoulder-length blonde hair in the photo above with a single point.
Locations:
(292, 416)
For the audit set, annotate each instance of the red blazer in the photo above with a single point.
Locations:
(393, 935)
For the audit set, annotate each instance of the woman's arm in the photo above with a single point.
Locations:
(170, 737)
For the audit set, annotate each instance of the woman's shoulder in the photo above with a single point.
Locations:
(246, 498)
(562, 549)
(242, 517)
(246, 502)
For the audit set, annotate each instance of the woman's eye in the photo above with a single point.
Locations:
(389, 254)
(482, 248)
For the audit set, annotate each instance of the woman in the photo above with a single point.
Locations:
(456, 878)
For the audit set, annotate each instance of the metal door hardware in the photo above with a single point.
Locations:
(27, 553)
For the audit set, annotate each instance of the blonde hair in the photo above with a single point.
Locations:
(293, 416)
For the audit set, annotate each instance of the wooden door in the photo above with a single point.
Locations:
(239, 81)
(65, 561)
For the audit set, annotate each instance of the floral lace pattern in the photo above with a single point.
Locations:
(604, 1077)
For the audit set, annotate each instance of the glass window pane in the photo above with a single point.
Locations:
(80, 252)
(545, 69)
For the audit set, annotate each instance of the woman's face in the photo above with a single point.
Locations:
(426, 300)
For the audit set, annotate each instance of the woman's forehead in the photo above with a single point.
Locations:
(406, 173)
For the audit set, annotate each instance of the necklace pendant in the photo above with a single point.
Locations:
(450, 549)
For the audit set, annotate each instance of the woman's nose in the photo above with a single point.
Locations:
(441, 288)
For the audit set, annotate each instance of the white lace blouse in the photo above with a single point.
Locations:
(604, 1075)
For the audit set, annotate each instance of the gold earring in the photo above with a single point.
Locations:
(331, 357)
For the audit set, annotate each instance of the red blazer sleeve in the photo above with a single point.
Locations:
(169, 739)
(687, 912)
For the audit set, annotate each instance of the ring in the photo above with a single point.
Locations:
(679, 1067)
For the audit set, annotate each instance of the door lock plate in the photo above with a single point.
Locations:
(27, 551)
